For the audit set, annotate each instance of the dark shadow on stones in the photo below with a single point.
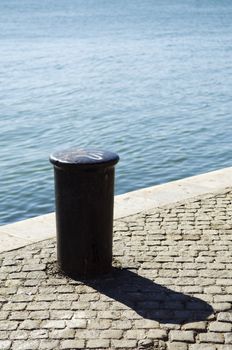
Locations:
(150, 300)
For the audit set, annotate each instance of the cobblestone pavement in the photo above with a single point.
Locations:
(170, 289)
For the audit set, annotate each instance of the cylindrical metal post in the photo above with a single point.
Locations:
(84, 190)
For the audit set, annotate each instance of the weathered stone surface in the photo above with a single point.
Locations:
(182, 336)
(177, 346)
(98, 343)
(62, 334)
(48, 344)
(72, 344)
(5, 344)
(145, 344)
(170, 289)
(29, 324)
(19, 334)
(157, 334)
(203, 347)
(8, 325)
(124, 344)
(211, 337)
(228, 338)
(25, 345)
(220, 327)
(53, 324)
(198, 326)
(39, 334)
(224, 347)
(225, 316)
(111, 334)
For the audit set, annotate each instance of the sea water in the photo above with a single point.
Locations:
(148, 79)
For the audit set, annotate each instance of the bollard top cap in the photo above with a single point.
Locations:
(83, 158)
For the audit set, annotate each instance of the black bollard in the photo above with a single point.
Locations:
(84, 191)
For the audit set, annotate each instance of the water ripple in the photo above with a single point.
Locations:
(149, 80)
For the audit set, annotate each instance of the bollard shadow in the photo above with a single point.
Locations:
(151, 300)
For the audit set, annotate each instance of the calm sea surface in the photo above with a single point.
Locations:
(148, 79)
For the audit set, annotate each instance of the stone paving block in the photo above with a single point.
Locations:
(19, 334)
(25, 345)
(66, 297)
(89, 297)
(4, 335)
(48, 344)
(146, 344)
(225, 316)
(36, 306)
(45, 297)
(8, 325)
(122, 324)
(29, 324)
(221, 306)
(32, 267)
(134, 334)
(224, 281)
(213, 289)
(229, 289)
(157, 334)
(192, 289)
(62, 334)
(14, 306)
(147, 324)
(39, 275)
(79, 305)
(39, 315)
(60, 315)
(96, 305)
(203, 347)
(177, 346)
(182, 336)
(5, 344)
(220, 327)
(112, 333)
(72, 344)
(103, 324)
(79, 323)
(19, 315)
(198, 326)
(88, 314)
(124, 344)
(53, 324)
(4, 315)
(60, 305)
(65, 289)
(113, 315)
(228, 338)
(170, 326)
(98, 344)
(87, 334)
(211, 337)
(39, 334)
(130, 314)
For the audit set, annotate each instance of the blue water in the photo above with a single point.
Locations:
(148, 79)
